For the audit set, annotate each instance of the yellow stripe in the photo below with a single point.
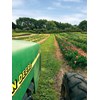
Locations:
(28, 73)
(35, 60)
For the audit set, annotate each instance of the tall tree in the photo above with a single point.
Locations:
(50, 25)
(83, 25)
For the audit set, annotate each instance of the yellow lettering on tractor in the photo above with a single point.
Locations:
(20, 78)
(14, 86)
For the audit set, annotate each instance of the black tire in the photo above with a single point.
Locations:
(29, 92)
(74, 87)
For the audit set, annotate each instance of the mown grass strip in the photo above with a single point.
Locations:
(50, 66)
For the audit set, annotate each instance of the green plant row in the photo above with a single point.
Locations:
(75, 40)
(80, 45)
(79, 37)
(74, 59)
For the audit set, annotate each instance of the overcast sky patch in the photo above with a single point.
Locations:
(67, 11)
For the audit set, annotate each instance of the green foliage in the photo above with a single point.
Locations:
(74, 59)
(38, 26)
(83, 46)
(77, 39)
(83, 25)
(81, 61)
(69, 55)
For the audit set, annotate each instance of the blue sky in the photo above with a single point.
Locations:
(71, 11)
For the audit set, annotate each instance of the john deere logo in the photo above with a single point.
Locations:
(16, 83)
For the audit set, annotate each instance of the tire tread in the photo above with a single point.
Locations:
(76, 86)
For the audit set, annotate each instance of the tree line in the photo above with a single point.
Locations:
(45, 26)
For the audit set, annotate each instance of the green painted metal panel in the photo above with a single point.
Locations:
(25, 66)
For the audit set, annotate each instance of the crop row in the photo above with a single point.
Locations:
(82, 38)
(73, 57)
(77, 39)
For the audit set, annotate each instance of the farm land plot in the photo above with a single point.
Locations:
(30, 37)
(73, 47)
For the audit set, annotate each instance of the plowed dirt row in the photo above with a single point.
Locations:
(41, 41)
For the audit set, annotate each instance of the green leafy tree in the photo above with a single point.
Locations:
(83, 25)
(42, 25)
(50, 25)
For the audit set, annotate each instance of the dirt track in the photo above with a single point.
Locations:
(41, 41)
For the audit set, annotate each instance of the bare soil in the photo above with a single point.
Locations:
(79, 50)
(64, 68)
(41, 41)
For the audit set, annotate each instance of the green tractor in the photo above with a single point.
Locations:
(26, 66)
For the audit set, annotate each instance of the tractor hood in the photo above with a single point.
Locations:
(23, 54)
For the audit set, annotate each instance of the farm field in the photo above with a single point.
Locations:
(60, 53)
(39, 38)
(76, 38)
(74, 48)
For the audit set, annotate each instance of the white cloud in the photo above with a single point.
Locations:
(19, 3)
(84, 11)
(25, 13)
(50, 8)
(59, 4)
(14, 18)
(71, 0)
(73, 19)
(16, 3)
(38, 14)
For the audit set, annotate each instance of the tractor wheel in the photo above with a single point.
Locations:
(74, 87)
(29, 92)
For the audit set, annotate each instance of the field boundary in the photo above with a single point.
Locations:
(41, 41)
